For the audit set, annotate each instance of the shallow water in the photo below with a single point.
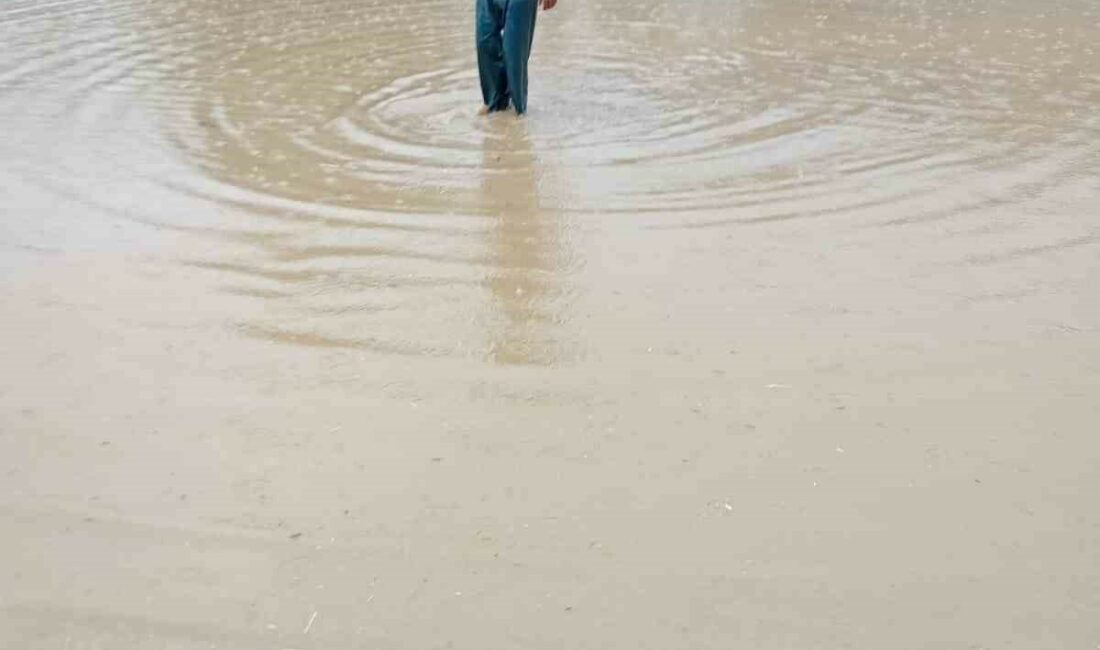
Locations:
(773, 324)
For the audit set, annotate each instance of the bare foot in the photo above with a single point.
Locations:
(484, 110)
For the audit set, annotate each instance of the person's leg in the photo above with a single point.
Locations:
(490, 54)
(519, 34)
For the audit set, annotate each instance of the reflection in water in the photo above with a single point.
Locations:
(524, 246)
(346, 195)
(722, 346)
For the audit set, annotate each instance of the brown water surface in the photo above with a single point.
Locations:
(775, 324)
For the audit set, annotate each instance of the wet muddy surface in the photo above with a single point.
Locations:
(774, 324)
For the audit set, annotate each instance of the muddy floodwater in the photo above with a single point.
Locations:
(774, 325)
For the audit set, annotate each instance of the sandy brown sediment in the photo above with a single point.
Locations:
(772, 325)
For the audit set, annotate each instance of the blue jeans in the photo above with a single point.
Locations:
(505, 31)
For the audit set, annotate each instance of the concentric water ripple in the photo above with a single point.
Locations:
(341, 137)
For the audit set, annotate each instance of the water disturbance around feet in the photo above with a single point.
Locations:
(774, 324)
